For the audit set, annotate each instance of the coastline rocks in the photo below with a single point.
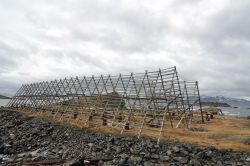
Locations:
(24, 138)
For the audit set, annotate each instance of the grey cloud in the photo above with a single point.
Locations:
(211, 48)
(122, 29)
(9, 56)
(75, 57)
(233, 21)
(8, 87)
(223, 67)
(87, 59)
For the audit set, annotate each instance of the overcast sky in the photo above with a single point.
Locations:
(208, 41)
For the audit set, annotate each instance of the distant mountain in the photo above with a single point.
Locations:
(241, 103)
(7, 94)
(214, 104)
(4, 97)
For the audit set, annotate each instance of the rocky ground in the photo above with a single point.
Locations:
(24, 139)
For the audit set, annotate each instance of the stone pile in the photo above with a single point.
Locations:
(24, 138)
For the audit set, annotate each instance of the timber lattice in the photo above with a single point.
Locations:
(137, 101)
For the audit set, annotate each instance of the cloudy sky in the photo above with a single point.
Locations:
(208, 41)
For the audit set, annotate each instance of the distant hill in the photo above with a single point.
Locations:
(4, 97)
(241, 103)
(214, 104)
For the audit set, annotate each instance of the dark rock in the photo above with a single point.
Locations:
(121, 161)
(164, 158)
(118, 150)
(169, 152)
(100, 162)
(142, 153)
(124, 156)
(77, 163)
(148, 163)
(149, 144)
(194, 162)
(112, 140)
(12, 136)
(209, 153)
(186, 153)
(154, 156)
(135, 160)
(200, 155)
(219, 163)
(153, 150)
(38, 158)
(176, 149)
(182, 160)
(147, 155)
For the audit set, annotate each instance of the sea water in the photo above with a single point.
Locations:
(3, 102)
(241, 112)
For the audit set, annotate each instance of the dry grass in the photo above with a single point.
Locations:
(222, 131)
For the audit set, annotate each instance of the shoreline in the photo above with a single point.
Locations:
(237, 112)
